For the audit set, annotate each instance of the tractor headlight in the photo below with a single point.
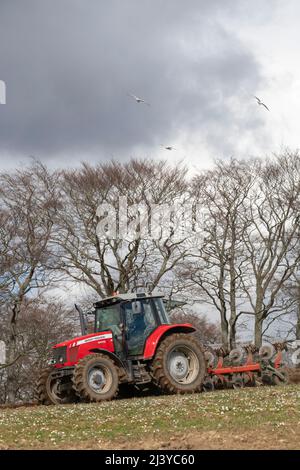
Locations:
(56, 360)
(59, 355)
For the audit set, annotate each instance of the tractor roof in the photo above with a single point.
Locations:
(123, 297)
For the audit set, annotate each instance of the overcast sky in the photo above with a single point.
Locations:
(70, 64)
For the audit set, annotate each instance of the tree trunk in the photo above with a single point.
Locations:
(298, 319)
(232, 335)
(259, 314)
(298, 327)
(10, 389)
(221, 295)
(258, 329)
(232, 270)
(298, 314)
(11, 355)
(224, 330)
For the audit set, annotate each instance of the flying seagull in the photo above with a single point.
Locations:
(168, 147)
(261, 103)
(137, 99)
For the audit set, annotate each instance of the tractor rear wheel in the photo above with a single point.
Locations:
(96, 378)
(179, 364)
(52, 391)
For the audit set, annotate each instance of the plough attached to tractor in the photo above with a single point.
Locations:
(247, 366)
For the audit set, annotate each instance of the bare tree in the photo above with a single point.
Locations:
(28, 201)
(219, 260)
(272, 235)
(116, 263)
(207, 332)
(41, 324)
(287, 311)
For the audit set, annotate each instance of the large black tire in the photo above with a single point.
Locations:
(179, 364)
(96, 378)
(47, 392)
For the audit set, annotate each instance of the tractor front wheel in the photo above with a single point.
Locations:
(179, 364)
(96, 378)
(52, 390)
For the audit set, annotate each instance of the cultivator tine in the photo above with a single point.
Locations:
(210, 358)
(236, 356)
(247, 366)
(266, 352)
(220, 382)
(280, 377)
(251, 351)
(280, 346)
(271, 362)
(249, 376)
(208, 385)
(237, 382)
(221, 352)
(249, 379)
(251, 348)
(266, 378)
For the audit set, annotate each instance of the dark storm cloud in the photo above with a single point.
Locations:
(68, 66)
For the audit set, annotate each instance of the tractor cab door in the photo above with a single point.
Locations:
(109, 318)
(140, 321)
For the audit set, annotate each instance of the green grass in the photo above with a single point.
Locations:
(124, 422)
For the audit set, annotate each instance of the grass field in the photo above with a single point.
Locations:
(261, 418)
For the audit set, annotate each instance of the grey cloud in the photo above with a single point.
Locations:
(68, 65)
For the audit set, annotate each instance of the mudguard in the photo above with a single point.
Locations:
(160, 333)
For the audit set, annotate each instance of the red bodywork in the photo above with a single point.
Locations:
(79, 347)
(156, 336)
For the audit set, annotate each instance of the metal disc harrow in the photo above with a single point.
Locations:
(246, 366)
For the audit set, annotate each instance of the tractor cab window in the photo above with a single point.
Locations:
(108, 318)
(163, 316)
(140, 322)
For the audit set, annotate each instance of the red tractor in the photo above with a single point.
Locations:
(133, 343)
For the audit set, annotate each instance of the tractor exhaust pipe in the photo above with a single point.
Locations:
(83, 325)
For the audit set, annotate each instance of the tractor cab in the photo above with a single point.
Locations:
(133, 343)
(131, 318)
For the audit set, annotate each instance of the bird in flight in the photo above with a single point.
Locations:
(259, 102)
(137, 99)
(168, 147)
